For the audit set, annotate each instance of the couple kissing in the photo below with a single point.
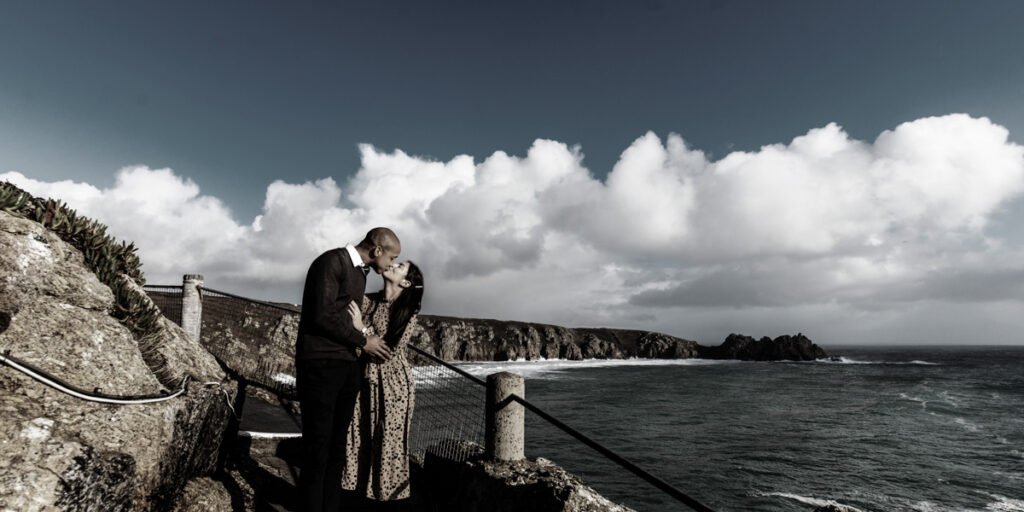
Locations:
(355, 383)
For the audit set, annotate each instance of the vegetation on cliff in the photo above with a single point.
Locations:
(116, 264)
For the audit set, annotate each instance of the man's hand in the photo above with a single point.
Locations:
(376, 347)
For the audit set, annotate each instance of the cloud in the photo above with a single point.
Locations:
(669, 240)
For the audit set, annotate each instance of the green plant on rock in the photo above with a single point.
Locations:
(108, 259)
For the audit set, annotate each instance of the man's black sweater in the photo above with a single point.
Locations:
(325, 327)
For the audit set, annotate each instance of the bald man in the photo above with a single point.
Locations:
(327, 368)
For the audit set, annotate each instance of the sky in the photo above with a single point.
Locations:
(850, 170)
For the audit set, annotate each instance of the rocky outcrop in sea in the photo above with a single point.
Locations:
(783, 348)
(60, 315)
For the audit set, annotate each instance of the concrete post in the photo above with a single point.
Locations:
(505, 437)
(191, 305)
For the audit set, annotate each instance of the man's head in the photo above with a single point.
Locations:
(381, 247)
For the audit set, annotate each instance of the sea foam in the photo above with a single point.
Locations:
(817, 502)
(547, 368)
(847, 360)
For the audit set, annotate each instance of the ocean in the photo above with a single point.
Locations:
(928, 429)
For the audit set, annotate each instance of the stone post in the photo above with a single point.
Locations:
(191, 305)
(505, 437)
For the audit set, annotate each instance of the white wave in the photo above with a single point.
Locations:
(1019, 477)
(926, 506)
(971, 427)
(950, 399)
(922, 401)
(1004, 504)
(545, 367)
(847, 360)
(817, 502)
(842, 360)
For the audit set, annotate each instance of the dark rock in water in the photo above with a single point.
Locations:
(63, 453)
(783, 348)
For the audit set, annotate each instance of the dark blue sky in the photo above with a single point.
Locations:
(237, 94)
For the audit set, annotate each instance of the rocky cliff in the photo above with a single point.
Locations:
(783, 348)
(257, 340)
(79, 316)
(463, 339)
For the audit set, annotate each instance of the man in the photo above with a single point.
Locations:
(326, 366)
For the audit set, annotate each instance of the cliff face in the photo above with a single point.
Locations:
(492, 340)
(59, 452)
(258, 342)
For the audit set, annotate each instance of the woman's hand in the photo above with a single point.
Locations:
(357, 316)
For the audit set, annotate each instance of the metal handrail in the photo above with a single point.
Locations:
(92, 396)
(616, 458)
(448, 365)
(292, 309)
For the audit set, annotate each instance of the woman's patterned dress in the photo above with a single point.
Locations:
(377, 459)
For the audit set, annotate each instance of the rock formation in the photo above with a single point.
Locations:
(539, 485)
(258, 341)
(61, 315)
(783, 348)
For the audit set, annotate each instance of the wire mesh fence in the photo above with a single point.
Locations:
(448, 420)
(255, 339)
(168, 299)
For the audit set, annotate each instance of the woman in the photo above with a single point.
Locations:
(377, 458)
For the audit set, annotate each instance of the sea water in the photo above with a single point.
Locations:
(880, 429)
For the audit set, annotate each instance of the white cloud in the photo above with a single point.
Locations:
(815, 232)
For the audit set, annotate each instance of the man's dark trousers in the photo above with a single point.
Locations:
(327, 391)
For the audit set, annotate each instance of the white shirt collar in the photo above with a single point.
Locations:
(357, 260)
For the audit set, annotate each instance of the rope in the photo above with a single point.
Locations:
(95, 395)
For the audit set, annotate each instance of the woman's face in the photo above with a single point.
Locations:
(396, 272)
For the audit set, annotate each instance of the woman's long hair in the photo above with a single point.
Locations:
(405, 306)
